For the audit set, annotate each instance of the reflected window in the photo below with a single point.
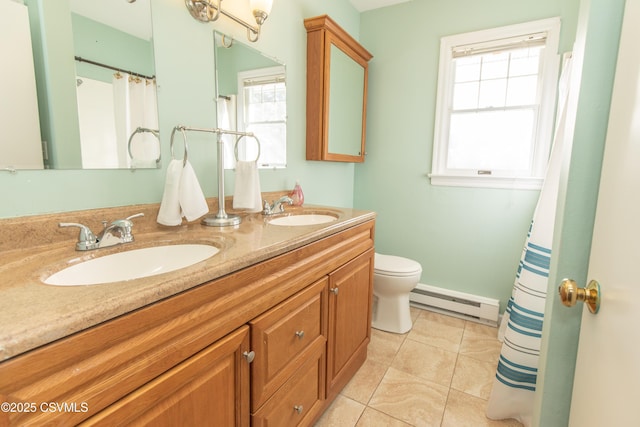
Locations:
(262, 109)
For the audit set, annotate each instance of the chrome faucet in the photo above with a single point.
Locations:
(116, 233)
(277, 206)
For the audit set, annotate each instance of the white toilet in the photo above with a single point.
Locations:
(394, 277)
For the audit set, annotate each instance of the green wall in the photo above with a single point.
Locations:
(470, 239)
(98, 42)
(236, 59)
(466, 239)
(186, 95)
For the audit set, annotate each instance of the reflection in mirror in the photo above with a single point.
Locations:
(87, 116)
(20, 143)
(345, 104)
(252, 97)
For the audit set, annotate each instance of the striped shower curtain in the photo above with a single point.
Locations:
(521, 328)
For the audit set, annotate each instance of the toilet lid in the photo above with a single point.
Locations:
(395, 265)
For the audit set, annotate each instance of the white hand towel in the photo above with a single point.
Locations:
(192, 200)
(169, 213)
(247, 188)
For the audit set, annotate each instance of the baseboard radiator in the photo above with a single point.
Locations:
(458, 304)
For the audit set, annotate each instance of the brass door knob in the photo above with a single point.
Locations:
(570, 293)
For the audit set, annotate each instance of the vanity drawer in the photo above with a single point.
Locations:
(283, 337)
(300, 400)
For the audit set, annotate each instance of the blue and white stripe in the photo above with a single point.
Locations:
(513, 390)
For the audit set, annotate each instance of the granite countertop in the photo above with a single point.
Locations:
(33, 314)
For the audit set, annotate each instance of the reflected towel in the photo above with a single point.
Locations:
(192, 200)
(169, 213)
(247, 187)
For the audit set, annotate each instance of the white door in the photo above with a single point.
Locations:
(607, 372)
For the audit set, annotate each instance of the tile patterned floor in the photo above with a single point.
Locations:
(438, 374)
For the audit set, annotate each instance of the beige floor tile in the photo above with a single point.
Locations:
(464, 410)
(343, 412)
(384, 346)
(431, 329)
(473, 376)
(409, 398)
(480, 329)
(480, 347)
(438, 374)
(442, 318)
(414, 313)
(365, 381)
(372, 418)
(425, 361)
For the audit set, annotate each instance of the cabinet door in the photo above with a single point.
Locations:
(350, 298)
(209, 389)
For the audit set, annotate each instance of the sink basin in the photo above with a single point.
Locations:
(303, 219)
(133, 264)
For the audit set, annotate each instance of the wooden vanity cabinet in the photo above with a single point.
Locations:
(310, 346)
(181, 360)
(337, 76)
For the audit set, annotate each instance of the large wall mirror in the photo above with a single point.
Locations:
(346, 98)
(252, 97)
(94, 71)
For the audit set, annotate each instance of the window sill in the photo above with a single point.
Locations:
(487, 181)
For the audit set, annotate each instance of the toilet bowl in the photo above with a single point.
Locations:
(393, 278)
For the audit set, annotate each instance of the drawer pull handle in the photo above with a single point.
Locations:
(249, 355)
(300, 334)
(298, 409)
(334, 291)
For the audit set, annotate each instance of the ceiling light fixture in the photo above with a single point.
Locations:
(208, 11)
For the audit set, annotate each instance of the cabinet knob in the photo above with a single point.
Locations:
(249, 355)
(298, 408)
(334, 291)
(300, 334)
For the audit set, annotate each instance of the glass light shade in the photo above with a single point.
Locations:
(261, 5)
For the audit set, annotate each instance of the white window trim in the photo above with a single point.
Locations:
(551, 62)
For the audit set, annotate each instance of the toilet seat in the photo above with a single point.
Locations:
(389, 265)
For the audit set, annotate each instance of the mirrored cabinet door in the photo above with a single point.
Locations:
(337, 69)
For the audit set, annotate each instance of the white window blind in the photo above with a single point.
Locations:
(509, 43)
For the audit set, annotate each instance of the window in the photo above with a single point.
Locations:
(262, 107)
(495, 106)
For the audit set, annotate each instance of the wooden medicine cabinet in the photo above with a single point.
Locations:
(337, 69)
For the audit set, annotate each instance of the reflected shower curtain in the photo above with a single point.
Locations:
(227, 119)
(135, 105)
(521, 328)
